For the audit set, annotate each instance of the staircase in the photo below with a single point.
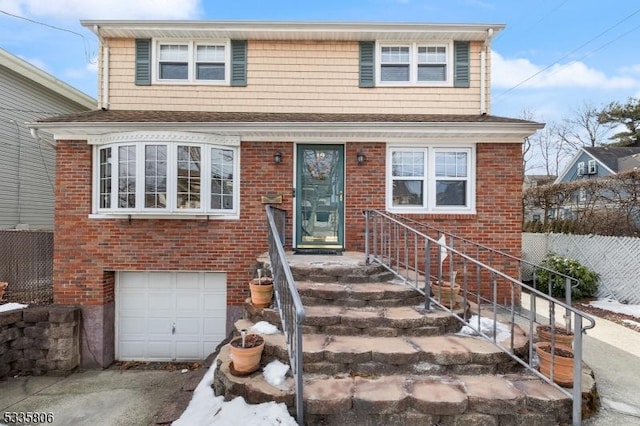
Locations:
(373, 356)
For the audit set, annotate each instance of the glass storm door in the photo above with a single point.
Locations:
(319, 197)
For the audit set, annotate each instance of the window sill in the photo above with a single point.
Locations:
(174, 216)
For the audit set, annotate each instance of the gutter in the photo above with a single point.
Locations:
(104, 96)
(483, 72)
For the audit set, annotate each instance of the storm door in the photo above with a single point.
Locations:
(319, 197)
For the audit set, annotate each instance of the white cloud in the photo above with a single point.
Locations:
(100, 9)
(508, 73)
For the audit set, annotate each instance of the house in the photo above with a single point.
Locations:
(160, 203)
(599, 161)
(27, 168)
(532, 181)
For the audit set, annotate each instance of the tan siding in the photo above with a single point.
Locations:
(291, 77)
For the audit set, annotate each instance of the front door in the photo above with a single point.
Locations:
(319, 197)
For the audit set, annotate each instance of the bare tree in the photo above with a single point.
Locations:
(583, 128)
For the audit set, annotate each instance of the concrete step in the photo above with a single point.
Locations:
(339, 399)
(348, 267)
(366, 355)
(372, 321)
(358, 294)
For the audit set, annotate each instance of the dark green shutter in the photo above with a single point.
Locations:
(143, 62)
(238, 62)
(461, 66)
(367, 64)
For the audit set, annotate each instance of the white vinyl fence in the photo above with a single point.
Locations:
(616, 259)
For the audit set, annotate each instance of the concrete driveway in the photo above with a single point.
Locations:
(102, 397)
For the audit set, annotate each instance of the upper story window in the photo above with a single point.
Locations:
(414, 63)
(192, 62)
(426, 179)
(166, 174)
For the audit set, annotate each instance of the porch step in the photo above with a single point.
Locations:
(349, 267)
(358, 294)
(339, 399)
(372, 320)
(368, 355)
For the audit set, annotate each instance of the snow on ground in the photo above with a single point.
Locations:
(615, 306)
(207, 409)
(11, 306)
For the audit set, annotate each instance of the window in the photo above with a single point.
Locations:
(430, 179)
(173, 177)
(192, 62)
(414, 64)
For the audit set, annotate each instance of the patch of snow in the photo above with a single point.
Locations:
(274, 373)
(206, 409)
(612, 305)
(486, 328)
(263, 327)
(11, 306)
(632, 323)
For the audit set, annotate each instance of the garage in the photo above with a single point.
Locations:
(169, 316)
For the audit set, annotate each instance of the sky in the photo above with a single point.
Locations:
(553, 58)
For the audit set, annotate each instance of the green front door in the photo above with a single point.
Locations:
(319, 197)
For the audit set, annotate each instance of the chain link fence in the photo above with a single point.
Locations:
(26, 263)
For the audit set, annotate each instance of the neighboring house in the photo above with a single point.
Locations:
(160, 209)
(27, 168)
(532, 181)
(596, 162)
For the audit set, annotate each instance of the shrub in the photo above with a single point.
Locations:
(587, 279)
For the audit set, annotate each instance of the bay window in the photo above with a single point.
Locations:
(426, 179)
(168, 177)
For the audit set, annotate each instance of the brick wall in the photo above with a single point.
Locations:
(39, 340)
(87, 251)
(85, 248)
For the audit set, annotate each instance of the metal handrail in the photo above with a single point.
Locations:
(409, 253)
(288, 300)
(494, 259)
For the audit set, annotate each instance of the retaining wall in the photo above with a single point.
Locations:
(39, 340)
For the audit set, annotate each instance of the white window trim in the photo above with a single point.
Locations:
(413, 65)
(429, 199)
(171, 139)
(191, 64)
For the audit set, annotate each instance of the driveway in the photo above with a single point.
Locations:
(102, 397)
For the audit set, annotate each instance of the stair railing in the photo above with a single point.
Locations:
(288, 300)
(419, 260)
(502, 261)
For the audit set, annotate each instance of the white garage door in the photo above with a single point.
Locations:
(169, 316)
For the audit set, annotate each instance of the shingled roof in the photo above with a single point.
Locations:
(137, 116)
(611, 156)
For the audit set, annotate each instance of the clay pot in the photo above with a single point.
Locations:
(562, 363)
(446, 294)
(561, 335)
(261, 292)
(246, 359)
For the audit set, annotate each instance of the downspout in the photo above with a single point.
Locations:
(104, 97)
(40, 139)
(483, 72)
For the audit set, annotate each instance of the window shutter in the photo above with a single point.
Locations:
(143, 62)
(461, 64)
(238, 62)
(367, 63)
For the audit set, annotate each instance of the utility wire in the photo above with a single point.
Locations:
(84, 39)
(567, 55)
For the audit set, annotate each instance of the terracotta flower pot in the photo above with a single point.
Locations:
(446, 294)
(562, 363)
(261, 292)
(246, 359)
(561, 335)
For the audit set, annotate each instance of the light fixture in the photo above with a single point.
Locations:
(361, 158)
(277, 157)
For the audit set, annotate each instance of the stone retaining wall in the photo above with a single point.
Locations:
(39, 340)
